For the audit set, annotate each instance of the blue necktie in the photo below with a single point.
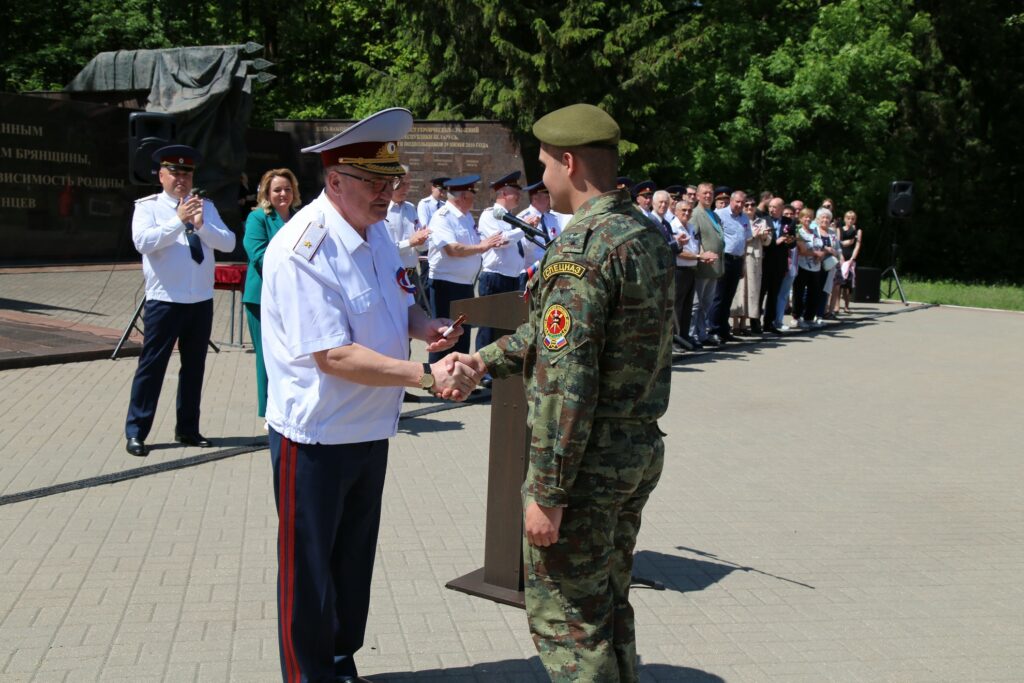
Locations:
(195, 246)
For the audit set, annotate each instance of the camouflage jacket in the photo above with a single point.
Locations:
(597, 344)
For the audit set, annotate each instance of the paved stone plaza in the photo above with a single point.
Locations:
(843, 506)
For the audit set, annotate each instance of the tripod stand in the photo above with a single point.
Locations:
(893, 284)
(132, 325)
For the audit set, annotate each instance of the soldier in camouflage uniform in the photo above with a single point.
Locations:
(595, 356)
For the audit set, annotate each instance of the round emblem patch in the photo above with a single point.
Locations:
(557, 323)
(392, 147)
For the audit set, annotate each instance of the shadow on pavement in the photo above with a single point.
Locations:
(34, 307)
(529, 670)
(688, 574)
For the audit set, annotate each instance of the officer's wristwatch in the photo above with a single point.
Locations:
(427, 379)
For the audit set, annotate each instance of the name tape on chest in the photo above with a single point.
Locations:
(564, 268)
(310, 240)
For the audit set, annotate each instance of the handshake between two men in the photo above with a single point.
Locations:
(457, 374)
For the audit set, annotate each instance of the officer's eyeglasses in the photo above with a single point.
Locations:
(378, 185)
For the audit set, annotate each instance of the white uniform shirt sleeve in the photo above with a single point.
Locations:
(149, 233)
(214, 233)
(441, 230)
(308, 303)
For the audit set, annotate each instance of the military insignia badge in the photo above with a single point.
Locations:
(564, 268)
(310, 239)
(557, 323)
(402, 277)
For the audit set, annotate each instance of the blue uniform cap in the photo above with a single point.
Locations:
(623, 181)
(722, 190)
(465, 182)
(645, 186)
(439, 182)
(536, 187)
(675, 190)
(177, 157)
(508, 180)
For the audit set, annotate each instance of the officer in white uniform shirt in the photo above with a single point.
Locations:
(539, 215)
(408, 234)
(337, 314)
(432, 202)
(500, 266)
(176, 233)
(455, 253)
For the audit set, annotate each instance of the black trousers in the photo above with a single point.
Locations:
(725, 292)
(328, 506)
(492, 283)
(165, 324)
(442, 294)
(685, 278)
(806, 293)
(772, 273)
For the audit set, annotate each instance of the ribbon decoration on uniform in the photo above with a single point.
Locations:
(402, 277)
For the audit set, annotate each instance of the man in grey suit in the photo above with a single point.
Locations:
(708, 229)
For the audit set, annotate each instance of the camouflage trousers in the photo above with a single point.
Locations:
(577, 590)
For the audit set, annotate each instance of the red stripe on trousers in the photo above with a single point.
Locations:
(286, 554)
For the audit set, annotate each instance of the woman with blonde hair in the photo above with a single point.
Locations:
(276, 200)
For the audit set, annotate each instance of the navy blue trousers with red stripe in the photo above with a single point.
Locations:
(328, 505)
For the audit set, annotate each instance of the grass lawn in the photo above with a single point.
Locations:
(1008, 297)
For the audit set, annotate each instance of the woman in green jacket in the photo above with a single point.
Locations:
(277, 198)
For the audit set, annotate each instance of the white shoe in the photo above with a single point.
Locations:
(817, 323)
(266, 426)
(783, 328)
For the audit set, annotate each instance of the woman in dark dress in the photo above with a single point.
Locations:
(849, 237)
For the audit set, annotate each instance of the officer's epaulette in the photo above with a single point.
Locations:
(489, 208)
(443, 211)
(147, 198)
(311, 238)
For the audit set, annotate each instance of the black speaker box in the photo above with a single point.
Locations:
(869, 285)
(901, 198)
(147, 132)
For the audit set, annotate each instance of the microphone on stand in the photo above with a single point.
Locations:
(502, 214)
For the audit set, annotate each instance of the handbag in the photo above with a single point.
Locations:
(829, 263)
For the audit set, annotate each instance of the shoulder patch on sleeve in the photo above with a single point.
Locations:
(564, 268)
(310, 239)
(557, 323)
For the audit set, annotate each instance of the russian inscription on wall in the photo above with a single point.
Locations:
(431, 149)
(64, 191)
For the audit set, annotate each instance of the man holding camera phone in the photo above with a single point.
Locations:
(176, 231)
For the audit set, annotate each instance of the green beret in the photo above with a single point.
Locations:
(576, 126)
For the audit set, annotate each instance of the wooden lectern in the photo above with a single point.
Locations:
(501, 577)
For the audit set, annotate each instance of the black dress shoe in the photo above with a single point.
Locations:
(712, 340)
(136, 447)
(771, 329)
(682, 342)
(352, 679)
(697, 346)
(486, 382)
(730, 337)
(193, 440)
(410, 398)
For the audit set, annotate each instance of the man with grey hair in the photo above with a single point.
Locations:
(737, 234)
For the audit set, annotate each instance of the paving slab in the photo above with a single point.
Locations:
(842, 506)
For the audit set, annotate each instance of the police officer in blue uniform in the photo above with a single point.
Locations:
(338, 311)
(176, 233)
(455, 251)
(502, 265)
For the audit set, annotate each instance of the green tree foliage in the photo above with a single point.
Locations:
(809, 98)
